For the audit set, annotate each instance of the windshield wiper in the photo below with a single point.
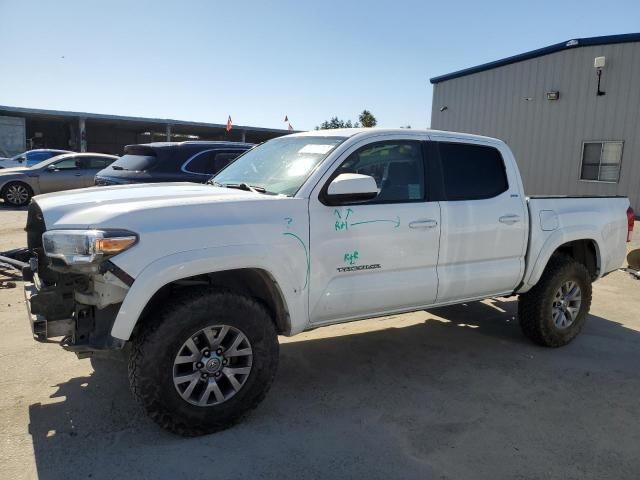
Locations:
(242, 186)
(117, 167)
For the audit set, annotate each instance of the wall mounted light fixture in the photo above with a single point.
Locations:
(598, 64)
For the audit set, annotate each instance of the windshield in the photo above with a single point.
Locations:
(137, 163)
(279, 166)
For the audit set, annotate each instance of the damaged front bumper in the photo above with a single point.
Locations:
(77, 309)
(76, 306)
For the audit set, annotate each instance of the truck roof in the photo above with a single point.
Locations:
(364, 132)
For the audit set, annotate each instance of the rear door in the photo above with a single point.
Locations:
(484, 222)
(89, 166)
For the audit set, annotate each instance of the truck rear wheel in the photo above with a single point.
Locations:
(203, 360)
(554, 311)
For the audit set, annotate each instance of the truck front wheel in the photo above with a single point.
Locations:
(203, 360)
(554, 311)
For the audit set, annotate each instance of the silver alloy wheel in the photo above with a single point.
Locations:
(212, 365)
(566, 305)
(17, 194)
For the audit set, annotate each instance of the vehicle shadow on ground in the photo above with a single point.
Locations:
(463, 395)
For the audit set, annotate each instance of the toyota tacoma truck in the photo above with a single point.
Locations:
(196, 282)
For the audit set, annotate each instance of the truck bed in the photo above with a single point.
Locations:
(556, 220)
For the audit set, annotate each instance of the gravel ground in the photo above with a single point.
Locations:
(451, 393)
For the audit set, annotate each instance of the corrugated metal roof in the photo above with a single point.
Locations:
(159, 121)
(574, 43)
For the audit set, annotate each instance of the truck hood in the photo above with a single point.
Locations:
(117, 206)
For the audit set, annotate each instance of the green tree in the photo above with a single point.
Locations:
(335, 122)
(367, 119)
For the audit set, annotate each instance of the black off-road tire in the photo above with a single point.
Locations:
(535, 306)
(6, 190)
(107, 359)
(162, 334)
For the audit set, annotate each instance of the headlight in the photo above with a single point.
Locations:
(81, 247)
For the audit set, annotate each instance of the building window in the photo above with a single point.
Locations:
(601, 161)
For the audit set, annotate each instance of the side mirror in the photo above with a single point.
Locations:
(351, 188)
(52, 168)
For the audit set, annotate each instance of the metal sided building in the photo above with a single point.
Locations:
(570, 112)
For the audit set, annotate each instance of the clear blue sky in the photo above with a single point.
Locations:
(261, 60)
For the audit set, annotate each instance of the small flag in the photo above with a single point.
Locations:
(286, 118)
(229, 124)
(290, 128)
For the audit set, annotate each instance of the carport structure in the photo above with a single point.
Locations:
(93, 132)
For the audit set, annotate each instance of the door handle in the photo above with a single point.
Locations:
(509, 219)
(77, 174)
(423, 224)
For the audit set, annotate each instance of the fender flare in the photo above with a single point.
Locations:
(552, 243)
(210, 260)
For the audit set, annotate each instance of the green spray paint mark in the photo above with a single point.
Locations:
(342, 224)
(306, 254)
(396, 222)
(351, 257)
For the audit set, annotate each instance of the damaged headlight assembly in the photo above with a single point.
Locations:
(86, 249)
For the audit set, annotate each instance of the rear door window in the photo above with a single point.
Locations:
(96, 163)
(472, 172)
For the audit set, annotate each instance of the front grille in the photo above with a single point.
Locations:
(35, 227)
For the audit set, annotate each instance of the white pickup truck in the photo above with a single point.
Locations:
(311, 229)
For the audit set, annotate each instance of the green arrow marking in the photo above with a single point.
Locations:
(396, 222)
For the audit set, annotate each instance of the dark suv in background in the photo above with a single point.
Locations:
(194, 161)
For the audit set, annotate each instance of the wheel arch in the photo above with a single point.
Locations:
(278, 282)
(584, 249)
(256, 283)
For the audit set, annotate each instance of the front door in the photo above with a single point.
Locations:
(378, 256)
(63, 174)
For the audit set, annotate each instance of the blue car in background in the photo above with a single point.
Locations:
(31, 157)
